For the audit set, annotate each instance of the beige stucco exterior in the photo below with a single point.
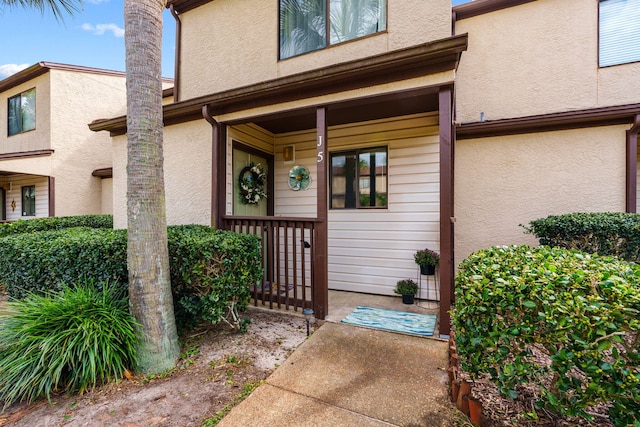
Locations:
(68, 98)
(537, 58)
(187, 170)
(502, 182)
(227, 44)
(37, 139)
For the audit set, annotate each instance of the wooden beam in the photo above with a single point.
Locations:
(321, 241)
(632, 166)
(52, 196)
(447, 145)
(218, 163)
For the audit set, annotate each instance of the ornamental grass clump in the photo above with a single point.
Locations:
(70, 341)
(561, 324)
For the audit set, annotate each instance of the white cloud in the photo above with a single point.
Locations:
(100, 29)
(8, 69)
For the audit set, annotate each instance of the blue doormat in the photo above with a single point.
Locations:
(392, 320)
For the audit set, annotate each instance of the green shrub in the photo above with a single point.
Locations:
(605, 233)
(71, 340)
(55, 223)
(211, 270)
(211, 273)
(514, 304)
(43, 262)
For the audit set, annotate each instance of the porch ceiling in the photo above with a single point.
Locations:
(352, 111)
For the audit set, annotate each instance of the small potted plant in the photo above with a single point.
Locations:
(427, 260)
(408, 289)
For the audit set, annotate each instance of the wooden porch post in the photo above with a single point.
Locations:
(447, 147)
(632, 166)
(52, 196)
(218, 169)
(321, 241)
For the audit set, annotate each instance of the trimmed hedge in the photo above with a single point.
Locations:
(43, 262)
(55, 223)
(582, 312)
(211, 270)
(605, 233)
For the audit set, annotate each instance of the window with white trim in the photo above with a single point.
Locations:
(619, 32)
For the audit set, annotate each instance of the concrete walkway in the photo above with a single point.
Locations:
(350, 376)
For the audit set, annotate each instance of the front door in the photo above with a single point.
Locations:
(250, 182)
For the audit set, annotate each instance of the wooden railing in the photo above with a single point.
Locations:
(287, 258)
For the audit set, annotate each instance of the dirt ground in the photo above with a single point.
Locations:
(215, 366)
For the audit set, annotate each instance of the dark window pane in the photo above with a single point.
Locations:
(302, 26)
(359, 179)
(14, 122)
(29, 200)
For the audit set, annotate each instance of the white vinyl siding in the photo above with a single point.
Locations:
(370, 250)
(14, 184)
(619, 32)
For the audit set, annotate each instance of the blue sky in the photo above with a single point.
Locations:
(93, 37)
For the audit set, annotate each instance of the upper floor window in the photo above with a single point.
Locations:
(619, 32)
(359, 179)
(308, 25)
(22, 112)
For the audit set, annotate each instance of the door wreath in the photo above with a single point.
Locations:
(251, 183)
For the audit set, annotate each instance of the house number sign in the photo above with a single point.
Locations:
(320, 151)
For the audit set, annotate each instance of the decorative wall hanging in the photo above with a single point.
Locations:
(299, 178)
(13, 205)
(289, 154)
(251, 183)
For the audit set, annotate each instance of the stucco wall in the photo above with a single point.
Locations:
(37, 139)
(78, 99)
(107, 196)
(539, 57)
(502, 182)
(240, 39)
(187, 171)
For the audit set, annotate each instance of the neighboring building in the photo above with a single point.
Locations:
(369, 109)
(47, 152)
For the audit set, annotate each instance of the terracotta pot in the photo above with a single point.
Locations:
(475, 411)
(455, 388)
(462, 402)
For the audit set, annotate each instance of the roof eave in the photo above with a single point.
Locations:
(423, 59)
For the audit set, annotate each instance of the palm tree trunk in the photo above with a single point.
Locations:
(147, 254)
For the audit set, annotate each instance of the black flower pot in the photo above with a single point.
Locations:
(427, 270)
(407, 299)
